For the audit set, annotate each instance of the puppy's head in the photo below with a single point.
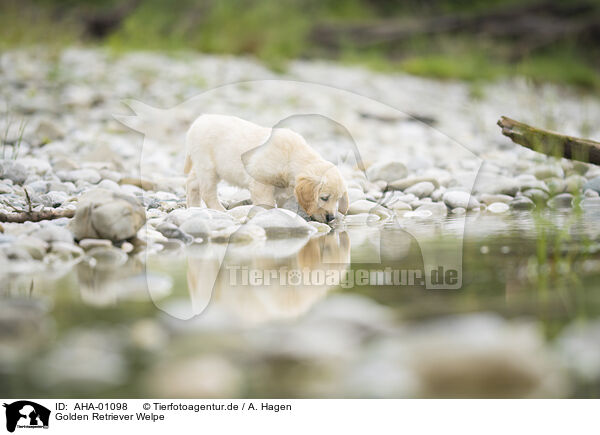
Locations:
(321, 191)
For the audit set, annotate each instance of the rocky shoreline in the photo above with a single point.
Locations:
(65, 147)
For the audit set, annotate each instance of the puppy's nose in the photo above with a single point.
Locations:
(329, 217)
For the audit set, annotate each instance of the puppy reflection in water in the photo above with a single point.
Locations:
(263, 288)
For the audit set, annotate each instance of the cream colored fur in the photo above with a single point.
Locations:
(261, 159)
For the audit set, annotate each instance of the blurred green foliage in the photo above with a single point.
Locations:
(276, 31)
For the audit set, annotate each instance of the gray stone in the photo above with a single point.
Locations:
(532, 183)
(109, 185)
(522, 203)
(249, 233)
(488, 198)
(54, 199)
(498, 185)
(498, 207)
(556, 185)
(459, 199)
(53, 233)
(88, 175)
(370, 207)
(542, 172)
(38, 186)
(279, 223)
(14, 171)
(95, 243)
(437, 209)
(593, 184)
(103, 214)
(536, 195)
(49, 130)
(407, 182)
(386, 171)
(171, 231)
(563, 200)
(422, 189)
(574, 183)
(355, 194)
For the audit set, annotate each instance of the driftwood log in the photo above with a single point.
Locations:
(551, 143)
(35, 216)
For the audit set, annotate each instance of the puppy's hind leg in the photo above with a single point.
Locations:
(208, 190)
(192, 191)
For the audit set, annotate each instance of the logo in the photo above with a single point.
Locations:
(26, 414)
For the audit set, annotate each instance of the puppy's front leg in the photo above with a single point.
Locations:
(262, 194)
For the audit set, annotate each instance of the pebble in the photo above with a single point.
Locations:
(109, 215)
(458, 199)
(407, 182)
(536, 195)
(563, 200)
(498, 207)
(280, 223)
(422, 189)
(522, 203)
(386, 171)
(95, 243)
(437, 209)
(487, 198)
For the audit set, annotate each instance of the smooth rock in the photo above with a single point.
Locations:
(407, 182)
(249, 233)
(522, 203)
(369, 207)
(280, 223)
(422, 189)
(103, 214)
(459, 199)
(563, 200)
(14, 171)
(386, 171)
(437, 209)
(488, 199)
(593, 184)
(95, 243)
(171, 231)
(542, 172)
(53, 233)
(498, 207)
(536, 195)
(88, 175)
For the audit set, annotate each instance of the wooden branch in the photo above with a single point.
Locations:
(550, 143)
(35, 216)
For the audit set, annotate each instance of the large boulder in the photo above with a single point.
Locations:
(104, 214)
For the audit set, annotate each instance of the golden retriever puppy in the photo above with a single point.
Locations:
(260, 159)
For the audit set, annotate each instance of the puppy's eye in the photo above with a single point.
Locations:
(325, 198)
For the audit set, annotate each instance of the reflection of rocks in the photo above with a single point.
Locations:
(84, 360)
(23, 328)
(101, 276)
(482, 356)
(208, 376)
(578, 349)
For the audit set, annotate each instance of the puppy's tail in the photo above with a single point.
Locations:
(187, 167)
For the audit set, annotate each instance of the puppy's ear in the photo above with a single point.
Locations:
(306, 193)
(343, 204)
